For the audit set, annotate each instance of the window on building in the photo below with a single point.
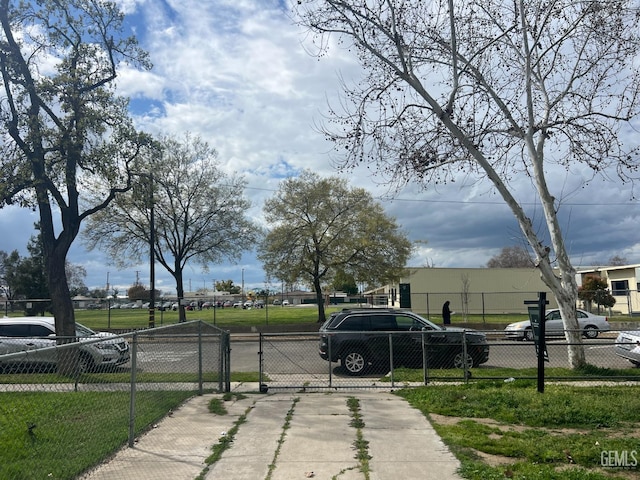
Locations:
(620, 287)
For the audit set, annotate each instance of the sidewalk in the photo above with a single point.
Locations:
(288, 435)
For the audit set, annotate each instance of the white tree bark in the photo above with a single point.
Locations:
(490, 88)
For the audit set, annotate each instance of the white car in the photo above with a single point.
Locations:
(628, 346)
(590, 324)
(285, 302)
(37, 336)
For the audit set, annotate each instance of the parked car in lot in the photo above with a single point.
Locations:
(359, 339)
(34, 334)
(628, 346)
(591, 325)
(164, 306)
(285, 302)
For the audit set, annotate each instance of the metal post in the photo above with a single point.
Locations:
(391, 358)
(200, 381)
(132, 394)
(542, 301)
(425, 367)
(329, 362)
(464, 356)
(260, 372)
(152, 255)
(428, 305)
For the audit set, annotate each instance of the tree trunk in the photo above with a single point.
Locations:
(320, 299)
(182, 315)
(55, 257)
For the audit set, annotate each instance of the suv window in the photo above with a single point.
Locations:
(24, 330)
(406, 323)
(383, 323)
(39, 331)
(15, 330)
(354, 323)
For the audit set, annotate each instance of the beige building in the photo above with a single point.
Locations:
(623, 285)
(496, 290)
(469, 290)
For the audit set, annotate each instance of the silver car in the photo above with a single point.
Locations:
(591, 325)
(628, 346)
(37, 337)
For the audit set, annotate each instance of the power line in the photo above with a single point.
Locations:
(481, 202)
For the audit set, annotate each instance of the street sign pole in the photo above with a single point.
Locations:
(536, 316)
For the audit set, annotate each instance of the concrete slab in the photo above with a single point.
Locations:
(318, 442)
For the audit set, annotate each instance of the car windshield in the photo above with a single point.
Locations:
(430, 324)
(82, 331)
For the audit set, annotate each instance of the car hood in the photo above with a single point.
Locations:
(467, 331)
(518, 325)
(106, 337)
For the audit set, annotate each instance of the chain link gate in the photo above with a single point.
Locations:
(59, 425)
(292, 361)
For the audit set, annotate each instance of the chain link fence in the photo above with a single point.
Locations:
(63, 411)
(59, 419)
(400, 359)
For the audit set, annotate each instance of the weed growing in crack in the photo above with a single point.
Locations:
(361, 445)
(223, 444)
(285, 427)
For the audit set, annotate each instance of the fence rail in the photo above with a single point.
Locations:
(44, 409)
(116, 403)
(292, 361)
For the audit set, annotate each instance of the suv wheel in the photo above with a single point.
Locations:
(459, 361)
(354, 361)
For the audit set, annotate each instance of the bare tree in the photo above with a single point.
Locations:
(511, 257)
(464, 295)
(199, 213)
(497, 89)
(64, 128)
(618, 261)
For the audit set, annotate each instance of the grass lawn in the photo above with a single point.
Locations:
(59, 435)
(507, 430)
(221, 317)
(289, 317)
(497, 429)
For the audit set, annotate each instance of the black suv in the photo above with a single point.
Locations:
(362, 339)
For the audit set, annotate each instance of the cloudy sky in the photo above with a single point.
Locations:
(237, 73)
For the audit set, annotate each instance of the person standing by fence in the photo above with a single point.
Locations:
(446, 313)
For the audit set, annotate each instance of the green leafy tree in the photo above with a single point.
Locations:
(495, 90)
(98, 293)
(65, 131)
(596, 290)
(199, 213)
(321, 226)
(8, 265)
(227, 286)
(344, 282)
(30, 281)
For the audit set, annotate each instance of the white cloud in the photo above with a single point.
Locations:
(238, 74)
